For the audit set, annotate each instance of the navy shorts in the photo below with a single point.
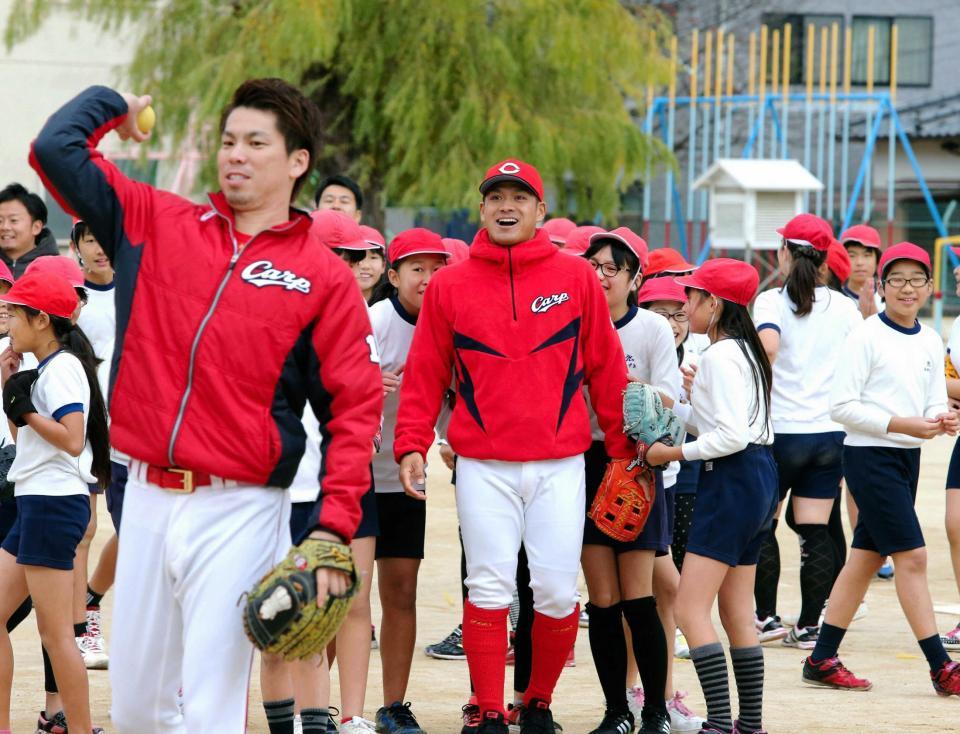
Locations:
(809, 464)
(883, 482)
(118, 485)
(736, 500)
(656, 533)
(403, 533)
(302, 512)
(953, 473)
(689, 475)
(48, 530)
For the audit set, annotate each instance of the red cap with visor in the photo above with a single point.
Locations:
(578, 241)
(723, 277)
(666, 260)
(558, 228)
(808, 230)
(628, 237)
(373, 237)
(66, 267)
(661, 289)
(861, 234)
(514, 171)
(416, 241)
(838, 261)
(45, 292)
(338, 231)
(904, 251)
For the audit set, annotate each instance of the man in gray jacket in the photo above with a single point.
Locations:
(23, 232)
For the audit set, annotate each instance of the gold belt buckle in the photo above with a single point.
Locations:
(186, 478)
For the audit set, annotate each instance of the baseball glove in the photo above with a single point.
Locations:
(645, 420)
(624, 499)
(948, 369)
(281, 614)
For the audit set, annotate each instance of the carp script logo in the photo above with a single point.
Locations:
(542, 304)
(262, 273)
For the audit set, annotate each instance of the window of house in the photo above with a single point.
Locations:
(914, 49)
(800, 27)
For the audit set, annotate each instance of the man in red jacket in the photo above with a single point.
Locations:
(230, 316)
(524, 327)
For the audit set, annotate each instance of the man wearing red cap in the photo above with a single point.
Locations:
(523, 328)
(211, 432)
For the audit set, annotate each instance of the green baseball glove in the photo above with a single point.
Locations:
(645, 420)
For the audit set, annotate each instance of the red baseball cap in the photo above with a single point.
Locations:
(516, 171)
(666, 260)
(66, 267)
(809, 230)
(416, 241)
(838, 261)
(373, 237)
(459, 250)
(723, 277)
(861, 234)
(578, 241)
(558, 228)
(44, 291)
(338, 231)
(661, 289)
(904, 251)
(5, 273)
(628, 237)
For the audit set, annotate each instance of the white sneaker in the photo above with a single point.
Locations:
(681, 649)
(93, 646)
(297, 725)
(770, 629)
(584, 618)
(682, 718)
(358, 725)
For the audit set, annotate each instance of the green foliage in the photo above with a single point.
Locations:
(418, 97)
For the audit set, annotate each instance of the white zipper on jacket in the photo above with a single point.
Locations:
(203, 325)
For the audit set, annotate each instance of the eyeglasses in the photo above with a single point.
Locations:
(608, 270)
(679, 316)
(898, 282)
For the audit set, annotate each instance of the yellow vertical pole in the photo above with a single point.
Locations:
(894, 38)
(786, 62)
(824, 45)
(718, 83)
(692, 135)
(811, 41)
(707, 64)
(868, 180)
(672, 88)
(752, 65)
(834, 42)
(728, 127)
(871, 47)
(694, 63)
(845, 124)
(775, 62)
(762, 91)
(847, 58)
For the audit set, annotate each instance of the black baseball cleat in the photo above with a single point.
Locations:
(655, 722)
(493, 723)
(537, 718)
(615, 722)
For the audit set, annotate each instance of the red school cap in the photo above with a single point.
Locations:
(338, 231)
(515, 171)
(666, 260)
(839, 261)
(373, 237)
(44, 291)
(416, 241)
(904, 251)
(578, 241)
(726, 278)
(661, 289)
(5, 273)
(66, 267)
(861, 234)
(807, 230)
(558, 228)
(626, 236)
(459, 250)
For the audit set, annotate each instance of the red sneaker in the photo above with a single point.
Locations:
(946, 681)
(831, 673)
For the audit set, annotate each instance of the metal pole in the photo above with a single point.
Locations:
(761, 100)
(821, 113)
(891, 144)
(867, 194)
(832, 148)
(845, 135)
(692, 134)
(863, 172)
(810, 40)
(787, 29)
(705, 142)
(728, 127)
(718, 95)
(751, 77)
(648, 129)
(671, 119)
(774, 85)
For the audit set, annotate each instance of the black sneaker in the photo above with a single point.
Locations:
(537, 718)
(655, 722)
(492, 723)
(450, 649)
(397, 718)
(615, 722)
(471, 719)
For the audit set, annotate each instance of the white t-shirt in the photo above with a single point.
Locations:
(393, 330)
(728, 413)
(888, 371)
(953, 344)
(651, 355)
(39, 467)
(29, 362)
(807, 359)
(306, 483)
(98, 319)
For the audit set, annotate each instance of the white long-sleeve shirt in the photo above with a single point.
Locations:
(887, 372)
(728, 411)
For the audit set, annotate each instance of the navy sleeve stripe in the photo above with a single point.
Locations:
(67, 409)
(761, 327)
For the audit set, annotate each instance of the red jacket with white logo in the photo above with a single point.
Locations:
(219, 347)
(523, 327)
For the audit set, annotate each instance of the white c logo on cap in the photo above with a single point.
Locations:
(509, 168)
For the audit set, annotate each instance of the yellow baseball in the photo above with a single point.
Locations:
(146, 119)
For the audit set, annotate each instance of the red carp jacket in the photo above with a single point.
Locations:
(523, 328)
(219, 347)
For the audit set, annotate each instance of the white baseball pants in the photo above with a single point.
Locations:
(183, 564)
(538, 503)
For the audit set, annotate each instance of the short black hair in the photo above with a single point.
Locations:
(33, 203)
(79, 231)
(339, 179)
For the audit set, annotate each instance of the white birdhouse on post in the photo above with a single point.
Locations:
(750, 199)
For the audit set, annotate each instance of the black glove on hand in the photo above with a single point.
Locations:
(16, 396)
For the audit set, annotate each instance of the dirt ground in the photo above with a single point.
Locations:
(879, 647)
